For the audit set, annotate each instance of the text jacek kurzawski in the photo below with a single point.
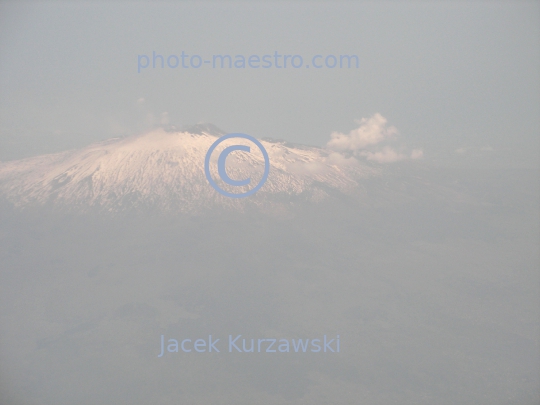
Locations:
(239, 344)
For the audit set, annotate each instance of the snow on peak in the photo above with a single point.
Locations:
(164, 168)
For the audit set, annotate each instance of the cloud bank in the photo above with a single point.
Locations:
(371, 140)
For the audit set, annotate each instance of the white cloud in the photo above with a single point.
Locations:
(370, 140)
(370, 132)
(338, 159)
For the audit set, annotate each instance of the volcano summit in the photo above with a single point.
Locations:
(164, 169)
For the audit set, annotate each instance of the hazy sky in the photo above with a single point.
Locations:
(428, 274)
(458, 80)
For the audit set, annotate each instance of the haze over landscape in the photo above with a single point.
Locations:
(429, 277)
(392, 254)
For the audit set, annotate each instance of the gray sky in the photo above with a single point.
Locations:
(450, 76)
(429, 274)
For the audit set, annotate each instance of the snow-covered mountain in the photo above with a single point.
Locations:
(432, 273)
(164, 169)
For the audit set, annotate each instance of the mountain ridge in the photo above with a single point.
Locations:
(164, 168)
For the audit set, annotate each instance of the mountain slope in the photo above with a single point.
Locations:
(165, 169)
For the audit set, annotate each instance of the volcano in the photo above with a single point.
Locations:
(164, 169)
